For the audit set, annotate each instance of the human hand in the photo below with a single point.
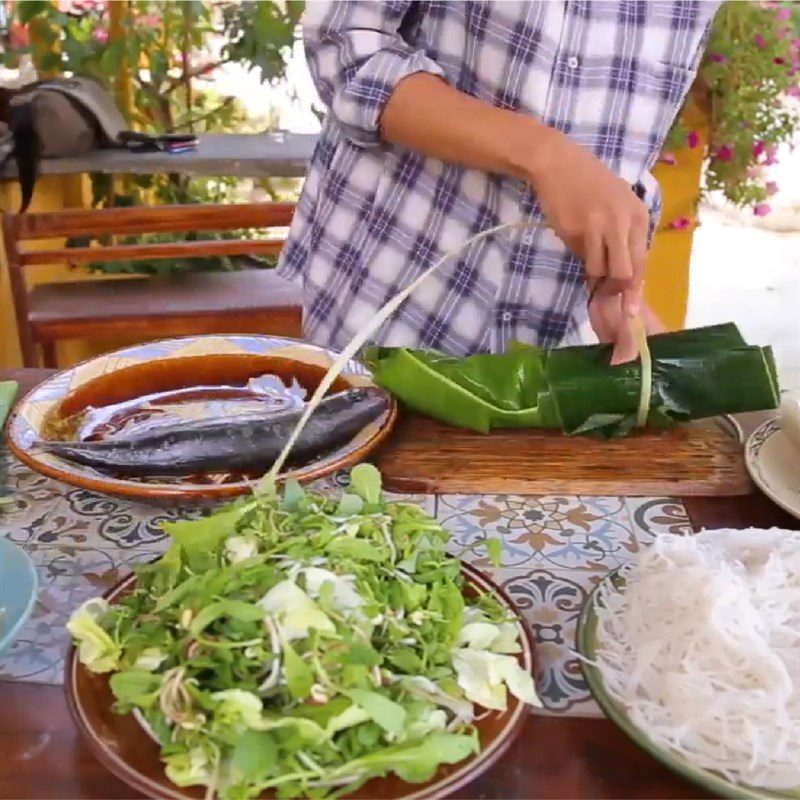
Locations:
(596, 214)
(611, 323)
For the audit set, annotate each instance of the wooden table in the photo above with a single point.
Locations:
(555, 757)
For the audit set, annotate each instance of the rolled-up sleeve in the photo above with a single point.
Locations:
(357, 57)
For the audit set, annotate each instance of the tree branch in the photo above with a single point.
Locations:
(174, 83)
(191, 122)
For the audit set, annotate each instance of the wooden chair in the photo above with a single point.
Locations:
(246, 301)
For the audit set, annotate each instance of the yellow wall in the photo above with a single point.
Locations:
(667, 284)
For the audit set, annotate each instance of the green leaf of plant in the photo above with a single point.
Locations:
(299, 675)
(389, 715)
(407, 660)
(446, 598)
(365, 481)
(355, 548)
(349, 505)
(355, 675)
(494, 548)
(255, 755)
(293, 493)
(200, 537)
(235, 609)
(135, 686)
(177, 594)
(417, 762)
(361, 653)
(442, 748)
(164, 571)
(30, 9)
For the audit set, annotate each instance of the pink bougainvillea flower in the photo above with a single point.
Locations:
(772, 152)
(680, 224)
(100, 35)
(771, 187)
(668, 158)
(724, 153)
(18, 36)
(762, 209)
(758, 148)
(793, 91)
(692, 139)
(753, 172)
(760, 41)
(718, 58)
(148, 21)
(784, 13)
(778, 60)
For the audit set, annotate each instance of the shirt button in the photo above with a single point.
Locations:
(572, 62)
(507, 316)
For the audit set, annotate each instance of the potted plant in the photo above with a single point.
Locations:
(737, 115)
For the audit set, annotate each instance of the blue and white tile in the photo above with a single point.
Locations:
(558, 532)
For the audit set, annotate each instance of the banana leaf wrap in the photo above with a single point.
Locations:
(697, 373)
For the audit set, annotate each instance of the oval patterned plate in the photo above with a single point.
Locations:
(122, 745)
(159, 366)
(587, 644)
(773, 462)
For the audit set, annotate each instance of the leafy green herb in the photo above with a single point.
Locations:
(254, 756)
(135, 687)
(365, 481)
(303, 645)
(494, 547)
(389, 715)
(299, 676)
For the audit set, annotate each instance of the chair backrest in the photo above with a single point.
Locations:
(20, 230)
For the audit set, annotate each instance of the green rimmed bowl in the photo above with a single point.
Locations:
(587, 645)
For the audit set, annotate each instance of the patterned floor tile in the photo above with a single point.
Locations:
(550, 602)
(590, 534)
(68, 575)
(28, 496)
(650, 516)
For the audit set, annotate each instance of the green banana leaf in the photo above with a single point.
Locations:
(697, 373)
(8, 391)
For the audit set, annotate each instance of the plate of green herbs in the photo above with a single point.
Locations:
(296, 645)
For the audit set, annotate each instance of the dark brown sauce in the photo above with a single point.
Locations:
(168, 374)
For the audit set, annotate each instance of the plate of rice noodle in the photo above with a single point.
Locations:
(693, 650)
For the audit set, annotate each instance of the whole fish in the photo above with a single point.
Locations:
(243, 443)
(266, 394)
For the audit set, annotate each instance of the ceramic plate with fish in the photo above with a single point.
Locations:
(197, 418)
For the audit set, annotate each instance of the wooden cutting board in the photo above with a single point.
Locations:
(697, 459)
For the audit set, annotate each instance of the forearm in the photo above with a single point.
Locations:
(427, 115)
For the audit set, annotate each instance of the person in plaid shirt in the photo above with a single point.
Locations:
(448, 118)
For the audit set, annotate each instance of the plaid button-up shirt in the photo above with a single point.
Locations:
(372, 216)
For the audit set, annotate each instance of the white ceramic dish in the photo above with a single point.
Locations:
(773, 460)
